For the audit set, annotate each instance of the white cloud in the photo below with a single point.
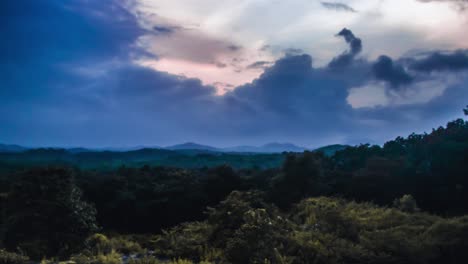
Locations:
(208, 27)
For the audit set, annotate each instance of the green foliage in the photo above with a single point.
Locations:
(145, 260)
(448, 239)
(110, 258)
(99, 249)
(100, 244)
(109, 160)
(406, 203)
(188, 240)
(377, 220)
(12, 258)
(229, 215)
(362, 231)
(257, 238)
(301, 176)
(46, 215)
(219, 182)
(320, 230)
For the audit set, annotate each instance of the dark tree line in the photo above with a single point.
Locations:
(49, 211)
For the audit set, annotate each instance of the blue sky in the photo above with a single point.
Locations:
(126, 73)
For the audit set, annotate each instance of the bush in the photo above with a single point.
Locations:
(407, 203)
(98, 244)
(12, 258)
(243, 229)
(188, 240)
(448, 239)
(110, 258)
(145, 260)
(46, 215)
(258, 238)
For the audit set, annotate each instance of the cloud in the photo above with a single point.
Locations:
(39, 38)
(188, 46)
(259, 65)
(338, 6)
(355, 45)
(386, 70)
(90, 91)
(460, 4)
(165, 29)
(438, 61)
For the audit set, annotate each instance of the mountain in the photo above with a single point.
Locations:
(11, 148)
(267, 148)
(78, 150)
(185, 148)
(193, 146)
(330, 150)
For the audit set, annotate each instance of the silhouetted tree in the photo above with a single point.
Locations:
(46, 215)
(220, 182)
(301, 176)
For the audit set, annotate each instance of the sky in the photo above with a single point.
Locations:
(122, 73)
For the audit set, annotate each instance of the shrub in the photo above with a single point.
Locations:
(46, 214)
(407, 203)
(448, 238)
(188, 240)
(12, 258)
(98, 244)
(110, 258)
(258, 238)
(145, 260)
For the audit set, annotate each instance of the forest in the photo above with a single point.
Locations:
(403, 202)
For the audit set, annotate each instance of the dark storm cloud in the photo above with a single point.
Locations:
(67, 78)
(438, 61)
(39, 37)
(259, 65)
(385, 69)
(355, 45)
(70, 28)
(338, 6)
(293, 90)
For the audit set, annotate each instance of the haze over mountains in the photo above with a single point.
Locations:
(190, 146)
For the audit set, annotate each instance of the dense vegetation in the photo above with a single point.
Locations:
(403, 202)
(111, 160)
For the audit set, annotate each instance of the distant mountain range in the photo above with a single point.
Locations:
(267, 148)
(198, 148)
(11, 148)
(193, 146)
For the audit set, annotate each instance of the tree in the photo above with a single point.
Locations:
(46, 215)
(466, 110)
(220, 182)
(301, 176)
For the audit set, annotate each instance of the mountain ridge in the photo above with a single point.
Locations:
(192, 147)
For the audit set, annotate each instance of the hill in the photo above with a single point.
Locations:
(330, 150)
(11, 148)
